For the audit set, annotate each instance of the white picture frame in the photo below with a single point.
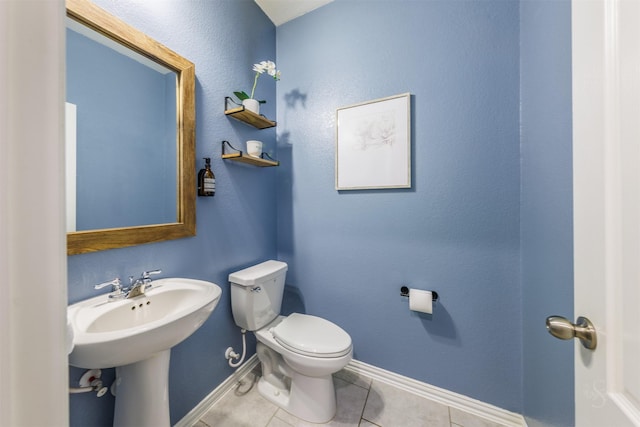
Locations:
(373, 144)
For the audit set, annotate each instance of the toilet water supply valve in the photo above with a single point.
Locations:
(90, 381)
(231, 355)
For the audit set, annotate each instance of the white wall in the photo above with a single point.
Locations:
(33, 296)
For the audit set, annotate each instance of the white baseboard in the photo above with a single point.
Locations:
(218, 393)
(440, 395)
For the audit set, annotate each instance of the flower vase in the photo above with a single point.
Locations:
(252, 105)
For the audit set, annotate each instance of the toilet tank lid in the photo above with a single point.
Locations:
(258, 273)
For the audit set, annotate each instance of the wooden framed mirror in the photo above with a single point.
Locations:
(181, 163)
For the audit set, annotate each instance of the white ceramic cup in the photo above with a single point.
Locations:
(254, 148)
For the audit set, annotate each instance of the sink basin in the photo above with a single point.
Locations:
(109, 334)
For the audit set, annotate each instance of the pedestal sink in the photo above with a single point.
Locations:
(135, 336)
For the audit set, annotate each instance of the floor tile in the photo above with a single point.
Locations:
(388, 406)
(353, 377)
(350, 403)
(362, 402)
(277, 422)
(233, 410)
(465, 419)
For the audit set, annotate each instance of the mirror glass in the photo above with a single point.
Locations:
(122, 139)
(130, 135)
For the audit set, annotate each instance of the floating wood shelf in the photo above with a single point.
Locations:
(242, 157)
(245, 158)
(248, 117)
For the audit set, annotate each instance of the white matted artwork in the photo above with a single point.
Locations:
(373, 144)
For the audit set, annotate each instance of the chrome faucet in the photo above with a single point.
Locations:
(138, 286)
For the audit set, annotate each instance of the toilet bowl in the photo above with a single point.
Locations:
(300, 381)
(298, 353)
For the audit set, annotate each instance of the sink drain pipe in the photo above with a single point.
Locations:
(90, 381)
(96, 385)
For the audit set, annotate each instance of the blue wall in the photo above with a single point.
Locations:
(236, 228)
(456, 231)
(547, 229)
(487, 222)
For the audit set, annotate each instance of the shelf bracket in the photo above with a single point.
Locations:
(230, 146)
(228, 99)
(263, 155)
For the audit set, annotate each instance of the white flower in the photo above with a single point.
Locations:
(260, 68)
(269, 67)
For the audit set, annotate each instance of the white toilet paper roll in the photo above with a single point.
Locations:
(421, 301)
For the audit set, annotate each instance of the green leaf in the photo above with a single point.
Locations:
(241, 95)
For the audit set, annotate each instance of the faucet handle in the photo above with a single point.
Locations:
(146, 274)
(116, 283)
(146, 280)
(116, 291)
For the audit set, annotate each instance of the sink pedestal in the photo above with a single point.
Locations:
(142, 393)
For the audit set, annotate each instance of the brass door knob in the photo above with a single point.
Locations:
(583, 329)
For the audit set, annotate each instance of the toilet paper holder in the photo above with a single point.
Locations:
(404, 292)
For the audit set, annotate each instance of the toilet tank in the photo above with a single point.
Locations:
(256, 294)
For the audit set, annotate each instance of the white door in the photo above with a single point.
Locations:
(606, 146)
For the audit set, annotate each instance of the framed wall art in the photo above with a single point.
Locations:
(373, 144)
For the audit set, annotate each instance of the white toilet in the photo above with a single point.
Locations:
(299, 352)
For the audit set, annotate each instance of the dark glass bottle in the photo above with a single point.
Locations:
(206, 180)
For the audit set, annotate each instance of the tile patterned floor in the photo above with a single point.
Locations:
(362, 402)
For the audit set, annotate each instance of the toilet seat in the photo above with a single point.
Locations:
(311, 336)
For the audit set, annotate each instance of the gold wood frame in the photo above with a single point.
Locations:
(79, 242)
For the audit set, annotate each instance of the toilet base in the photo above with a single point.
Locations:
(312, 399)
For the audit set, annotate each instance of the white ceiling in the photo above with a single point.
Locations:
(281, 11)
